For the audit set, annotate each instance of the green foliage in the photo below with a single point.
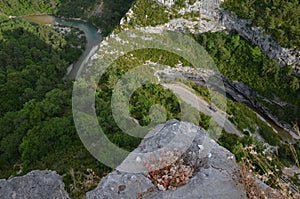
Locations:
(237, 144)
(238, 151)
(110, 14)
(3, 16)
(180, 3)
(284, 152)
(148, 13)
(238, 60)
(105, 14)
(46, 138)
(152, 13)
(281, 18)
(268, 135)
(37, 129)
(38, 64)
(27, 7)
(147, 96)
(250, 122)
(75, 9)
(142, 99)
(124, 140)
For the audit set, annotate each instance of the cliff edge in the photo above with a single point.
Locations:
(214, 176)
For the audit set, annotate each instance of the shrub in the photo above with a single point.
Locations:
(169, 171)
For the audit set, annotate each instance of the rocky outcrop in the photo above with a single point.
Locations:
(214, 168)
(36, 184)
(209, 20)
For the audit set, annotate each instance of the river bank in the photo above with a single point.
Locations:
(92, 35)
(93, 38)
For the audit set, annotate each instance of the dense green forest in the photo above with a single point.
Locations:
(111, 13)
(238, 60)
(33, 60)
(105, 14)
(280, 18)
(37, 128)
(37, 125)
(141, 100)
(28, 7)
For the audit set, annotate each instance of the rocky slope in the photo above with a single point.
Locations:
(239, 91)
(258, 37)
(36, 184)
(214, 18)
(214, 168)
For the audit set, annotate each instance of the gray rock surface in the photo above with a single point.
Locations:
(209, 20)
(214, 176)
(34, 185)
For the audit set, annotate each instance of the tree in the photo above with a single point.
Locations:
(46, 138)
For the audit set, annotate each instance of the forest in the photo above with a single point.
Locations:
(238, 60)
(280, 18)
(37, 128)
(104, 14)
(36, 119)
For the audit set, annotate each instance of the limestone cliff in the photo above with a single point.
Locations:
(214, 169)
(214, 18)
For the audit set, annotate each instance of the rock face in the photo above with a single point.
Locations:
(258, 37)
(214, 175)
(209, 20)
(36, 184)
(214, 18)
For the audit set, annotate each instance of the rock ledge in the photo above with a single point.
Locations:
(214, 176)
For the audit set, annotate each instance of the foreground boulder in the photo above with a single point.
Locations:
(214, 167)
(36, 184)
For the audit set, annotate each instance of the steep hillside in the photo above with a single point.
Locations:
(105, 14)
(36, 116)
(280, 18)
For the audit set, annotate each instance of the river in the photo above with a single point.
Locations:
(91, 33)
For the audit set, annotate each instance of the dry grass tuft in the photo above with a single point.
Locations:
(169, 171)
(252, 188)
